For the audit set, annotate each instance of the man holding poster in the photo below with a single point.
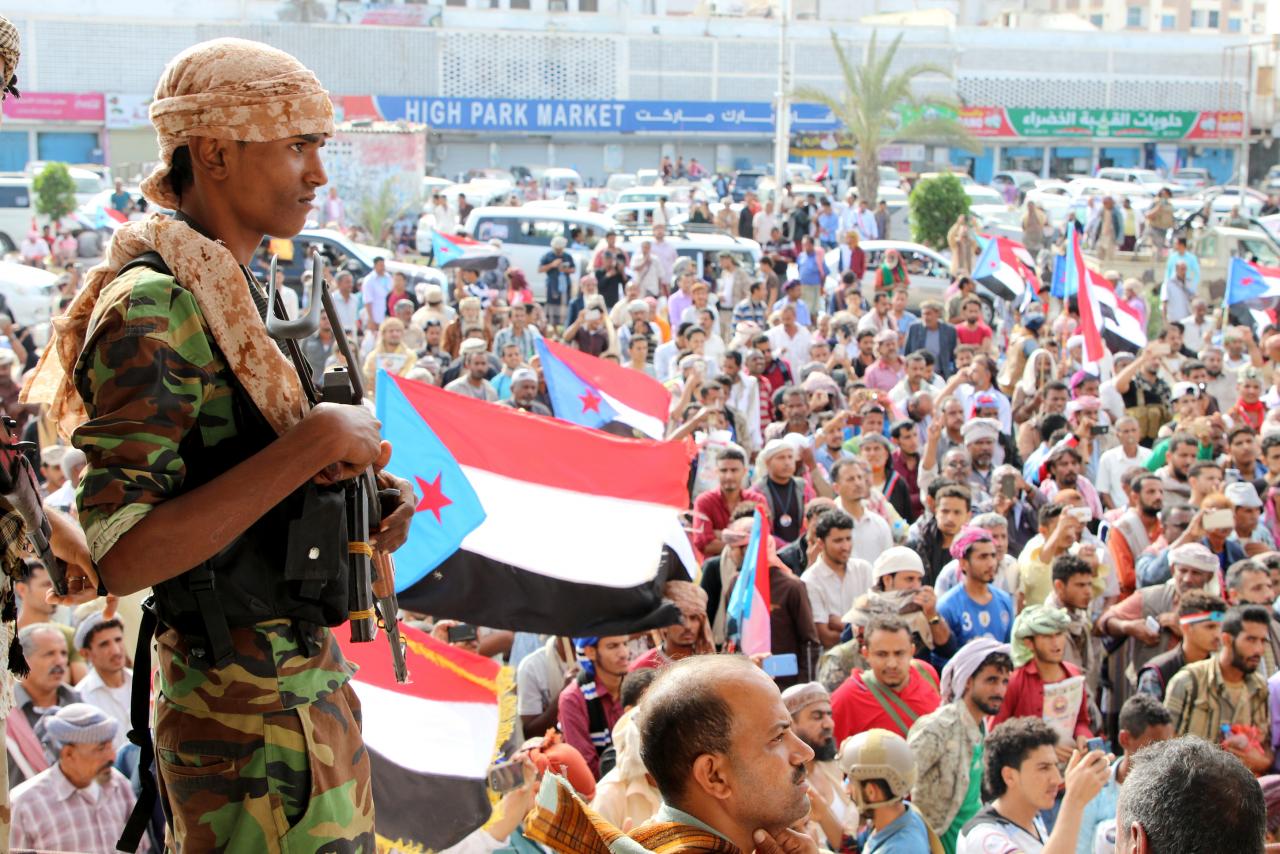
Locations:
(1043, 685)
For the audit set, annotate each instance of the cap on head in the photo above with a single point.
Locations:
(232, 89)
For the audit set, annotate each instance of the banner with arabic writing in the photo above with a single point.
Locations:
(1121, 124)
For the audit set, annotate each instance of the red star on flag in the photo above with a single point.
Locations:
(590, 401)
(433, 497)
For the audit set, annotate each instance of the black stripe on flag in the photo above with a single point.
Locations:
(404, 798)
(486, 592)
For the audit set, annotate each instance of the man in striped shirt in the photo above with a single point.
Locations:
(81, 802)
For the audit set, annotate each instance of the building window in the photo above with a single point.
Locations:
(1213, 19)
(1198, 18)
(1133, 16)
(588, 5)
(1233, 25)
(520, 4)
(455, 2)
(1168, 22)
(1096, 20)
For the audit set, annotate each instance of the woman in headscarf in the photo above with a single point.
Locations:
(390, 354)
(893, 272)
(963, 247)
(1040, 368)
(518, 291)
(877, 451)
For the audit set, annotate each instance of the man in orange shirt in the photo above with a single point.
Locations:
(1137, 528)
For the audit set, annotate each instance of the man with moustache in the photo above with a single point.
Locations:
(38, 695)
(947, 743)
(1200, 616)
(1136, 529)
(80, 802)
(717, 740)
(810, 708)
(1227, 690)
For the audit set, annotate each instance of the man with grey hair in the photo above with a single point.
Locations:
(80, 802)
(40, 693)
(1187, 796)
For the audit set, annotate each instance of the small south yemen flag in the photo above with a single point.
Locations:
(749, 603)
(591, 392)
(529, 523)
(1249, 281)
(444, 248)
(430, 741)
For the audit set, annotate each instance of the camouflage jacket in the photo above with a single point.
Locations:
(150, 372)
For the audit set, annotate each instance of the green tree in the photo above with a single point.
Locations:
(379, 209)
(871, 105)
(55, 191)
(935, 203)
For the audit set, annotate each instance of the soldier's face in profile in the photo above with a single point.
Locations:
(270, 185)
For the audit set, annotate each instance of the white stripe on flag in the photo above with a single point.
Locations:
(679, 542)
(428, 736)
(570, 536)
(645, 423)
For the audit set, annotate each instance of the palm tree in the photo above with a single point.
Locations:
(868, 109)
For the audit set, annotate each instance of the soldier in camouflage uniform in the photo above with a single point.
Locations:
(207, 471)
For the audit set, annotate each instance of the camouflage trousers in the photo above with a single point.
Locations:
(292, 778)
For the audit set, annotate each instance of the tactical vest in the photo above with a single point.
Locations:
(291, 563)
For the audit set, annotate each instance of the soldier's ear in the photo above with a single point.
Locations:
(210, 157)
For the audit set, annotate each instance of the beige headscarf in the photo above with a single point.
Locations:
(225, 89)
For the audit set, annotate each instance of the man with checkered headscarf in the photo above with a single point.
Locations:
(202, 449)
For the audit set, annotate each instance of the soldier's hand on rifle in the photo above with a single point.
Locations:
(69, 546)
(394, 529)
(351, 434)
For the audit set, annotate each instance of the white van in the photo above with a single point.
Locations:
(555, 180)
(17, 210)
(526, 234)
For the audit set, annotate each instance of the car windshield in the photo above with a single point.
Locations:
(747, 181)
(1259, 251)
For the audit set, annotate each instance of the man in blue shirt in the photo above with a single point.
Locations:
(1184, 255)
(881, 772)
(976, 608)
(812, 270)
(791, 297)
(828, 225)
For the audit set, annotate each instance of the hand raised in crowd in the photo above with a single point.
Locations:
(927, 599)
(1086, 774)
(1140, 631)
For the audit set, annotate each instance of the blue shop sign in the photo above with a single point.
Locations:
(556, 116)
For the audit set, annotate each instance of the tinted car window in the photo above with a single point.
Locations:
(15, 197)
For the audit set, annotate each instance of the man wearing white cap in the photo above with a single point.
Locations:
(1247, 507)
(947, 742)
(1193, 567)
(900, 568)
(100, 639)
(981, 438)
(784, 491)
(524, 393)
(80, 803)
(810, 706)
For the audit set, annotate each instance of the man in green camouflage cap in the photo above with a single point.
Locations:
(210, 478)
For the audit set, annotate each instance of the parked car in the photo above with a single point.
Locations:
(29, 293)
(17, 210)
(1149, 179)
(1192, 178)
(1024, 181)
(744, 180)
(526, 233)
(929, 271)
(341, 253)
(998, 220)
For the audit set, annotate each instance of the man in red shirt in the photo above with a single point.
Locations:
(590, 706)
(972, 330)
(713, 509)
(894, 693)
(1039, 644)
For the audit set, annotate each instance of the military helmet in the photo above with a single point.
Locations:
(877, 754)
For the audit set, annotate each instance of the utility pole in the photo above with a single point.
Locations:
(782, 111)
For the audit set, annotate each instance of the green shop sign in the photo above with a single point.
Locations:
(1138, 124)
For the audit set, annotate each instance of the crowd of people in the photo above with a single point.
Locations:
(1019, 600)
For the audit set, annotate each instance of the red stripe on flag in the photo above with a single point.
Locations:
(437, 671)
(634, 388)
(551, 452)
(1091, 329)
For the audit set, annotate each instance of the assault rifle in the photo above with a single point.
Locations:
(18, 486)
(372, 598)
